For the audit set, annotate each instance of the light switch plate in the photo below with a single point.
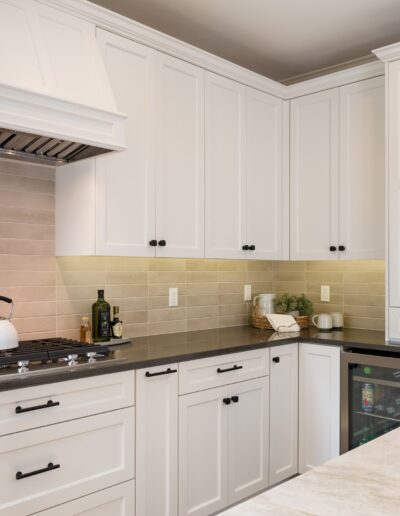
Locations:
(247, 292)
(173, 296)
(325, 293)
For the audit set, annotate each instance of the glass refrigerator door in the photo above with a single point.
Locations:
(374, 402)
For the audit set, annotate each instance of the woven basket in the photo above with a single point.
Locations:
(262, 322)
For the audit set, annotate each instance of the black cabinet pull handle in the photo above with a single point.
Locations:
(342, 248)
(49, 404)
(234, 368)
(332, 248)
(245, 247)
(168, 371)
(153, 243)
(276, 360)
(50, 466)
(235, 399)
(252, 247)
(227, 401)
(162, 243)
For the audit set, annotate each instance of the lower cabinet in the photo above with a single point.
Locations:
(157, 441)
(115, 501)
(319, 404)
(223, 446)
(284, 403)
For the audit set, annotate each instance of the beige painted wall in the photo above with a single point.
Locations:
(52, 294)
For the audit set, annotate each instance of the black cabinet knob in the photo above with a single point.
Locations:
(252, 247)
(342, 248)
(235, 399)
(245, 247)
(153, 243)
(276, 360)
(227, 401)
(332, 248)
(162, 243)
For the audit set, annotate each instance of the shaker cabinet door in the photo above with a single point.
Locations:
(157, 441)
(362, 170)
(314, 183)
(125, 198)
(225, 167)
(179, 151)
(264, 176)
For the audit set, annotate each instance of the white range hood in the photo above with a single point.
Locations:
(56, 103)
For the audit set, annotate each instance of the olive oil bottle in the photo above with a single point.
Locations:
(101, 319)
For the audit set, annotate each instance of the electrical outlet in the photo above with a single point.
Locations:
(247, 292)
(325, 293)
(173, 296)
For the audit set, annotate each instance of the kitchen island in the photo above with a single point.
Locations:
(364, 481)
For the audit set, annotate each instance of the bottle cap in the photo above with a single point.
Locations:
(100, 293)
(85, 319)
(116, 309)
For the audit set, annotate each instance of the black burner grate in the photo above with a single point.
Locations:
(48, 349)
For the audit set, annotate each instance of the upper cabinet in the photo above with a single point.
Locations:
(337, 173)
(244, 172)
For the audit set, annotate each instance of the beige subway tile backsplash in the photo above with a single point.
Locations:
(52, 294)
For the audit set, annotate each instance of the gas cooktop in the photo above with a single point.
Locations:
(47, 355)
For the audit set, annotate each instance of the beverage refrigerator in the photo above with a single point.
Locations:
(370, 396)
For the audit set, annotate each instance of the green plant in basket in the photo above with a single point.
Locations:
(298, 305)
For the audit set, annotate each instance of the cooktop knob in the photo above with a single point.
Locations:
(23, 366)
(91, 356)
(72, 360)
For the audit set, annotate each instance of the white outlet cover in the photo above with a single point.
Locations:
(247, 292)
(325, 293)
(173, 296)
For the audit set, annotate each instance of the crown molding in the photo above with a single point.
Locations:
(336, 79)
(118, 24)
(388, 53)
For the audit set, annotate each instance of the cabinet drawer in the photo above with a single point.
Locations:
(87, 455)
(52, 403)
(115, 501)
(206, 373)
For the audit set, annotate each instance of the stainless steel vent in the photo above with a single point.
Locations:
(42, 149)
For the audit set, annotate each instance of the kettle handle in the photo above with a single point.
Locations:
(254, 300)
(8, 300)
(313, 320)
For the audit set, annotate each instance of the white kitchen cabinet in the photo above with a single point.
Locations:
(314, 176)
(179, 157)
(223, 446)
(248, 438)
(125, 182)
(71, 459)
(118, 500)
(157, 441)
(337, 163)
(362, 170)
(319, 404)
(154, 190)
(203, 452)
(265, 180)
(284, 402)
(225, 147)
(244, 171)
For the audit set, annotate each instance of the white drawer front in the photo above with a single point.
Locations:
(93, 453)
(115, 501)
(206, 373)
(76, 398)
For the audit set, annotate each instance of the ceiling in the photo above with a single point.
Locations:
(276, 38)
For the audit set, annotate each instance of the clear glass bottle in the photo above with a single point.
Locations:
(86, 331)
(101, 319)
(116, 325)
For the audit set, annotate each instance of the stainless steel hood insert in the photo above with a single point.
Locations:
(42, 149)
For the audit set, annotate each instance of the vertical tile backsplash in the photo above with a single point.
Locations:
(52, 294)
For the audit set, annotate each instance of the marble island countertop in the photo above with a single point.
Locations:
(362, 482)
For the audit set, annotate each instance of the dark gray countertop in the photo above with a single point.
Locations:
(178, 347)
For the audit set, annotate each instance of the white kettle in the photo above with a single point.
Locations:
(8, 333)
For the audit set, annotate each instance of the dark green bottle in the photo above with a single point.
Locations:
(101, 319)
